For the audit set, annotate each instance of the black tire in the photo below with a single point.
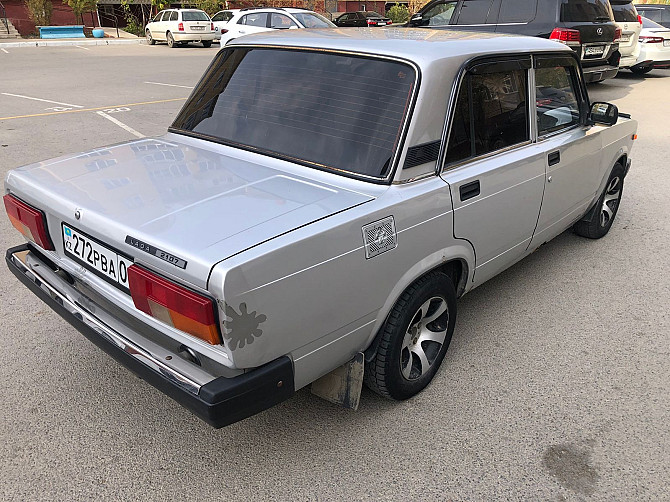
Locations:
(384, 374)
(206, 44)
(150, 39)
(641, 71)
(599, 219)
(170, 40)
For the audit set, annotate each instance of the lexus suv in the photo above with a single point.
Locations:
(586, 26)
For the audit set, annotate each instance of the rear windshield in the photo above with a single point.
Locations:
(648, 23)
(313, 20)
(653, 14)
(625, 13)
(329, 111)
(372, 14)
(194, 16)
(585, 10)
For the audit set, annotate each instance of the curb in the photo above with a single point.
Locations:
(84, 41)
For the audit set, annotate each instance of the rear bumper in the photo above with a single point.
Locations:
(220, 401)
(627, 61)
(598, 73)
(194, 37)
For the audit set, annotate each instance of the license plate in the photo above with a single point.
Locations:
(97, 257)
(625, 38)
(594, 51)
(197, 27)
(666, 43)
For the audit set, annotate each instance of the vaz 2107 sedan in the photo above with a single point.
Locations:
(315, 210)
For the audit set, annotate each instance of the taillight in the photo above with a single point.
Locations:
(180, 26)
(29, 221)
(212, 26)
(223, 32)
(639, 18)
(372, 23)
(651, 40)
(173, 304)
(566, 36)
(617, 34)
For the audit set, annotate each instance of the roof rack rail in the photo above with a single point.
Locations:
(256, 8)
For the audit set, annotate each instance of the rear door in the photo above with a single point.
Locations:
(255, 22)
(595, 22)
(478, 15)
(196, 22)
(495, 172)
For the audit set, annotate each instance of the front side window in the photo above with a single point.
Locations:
(491, 113)
(439, 15)
(258, 19)
(336, 112)
(557, 98)
(158, 17)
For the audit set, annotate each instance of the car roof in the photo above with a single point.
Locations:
(423, 46)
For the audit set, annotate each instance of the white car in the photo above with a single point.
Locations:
(258, 19)
(654, 47)
(630, 23)
(221, 18)
(180, 26)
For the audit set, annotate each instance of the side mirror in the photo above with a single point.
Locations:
(604, 114)
(415, 20)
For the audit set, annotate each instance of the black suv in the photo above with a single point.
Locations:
(585, 25)
(659, 13)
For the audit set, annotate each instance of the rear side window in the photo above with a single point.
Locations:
(557, 97)
(513, 11)
(280, 21)
(330, 111)
(174, 16)
(625, 13)
(475, 12)
(491, 114)
(194, 16)
(585, 10)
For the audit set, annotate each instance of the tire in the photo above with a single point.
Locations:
(206, 44)
(598, 220)
(641, 71)
(170, 40)
(150, 39)
(397, 370)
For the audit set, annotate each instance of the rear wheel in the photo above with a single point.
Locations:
(641, 71)
(414, 339)
(150, 39)
(206, 44)
(170, 40)
(599, 220)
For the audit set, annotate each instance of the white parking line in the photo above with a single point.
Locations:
(85, 48)
(39, 99)
(5, 51)
(122, 125)
(170, 85)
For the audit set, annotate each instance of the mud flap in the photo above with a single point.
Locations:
(342, 385)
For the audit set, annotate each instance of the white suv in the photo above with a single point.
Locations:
(630, 24)
(180, 26)
(256, 20)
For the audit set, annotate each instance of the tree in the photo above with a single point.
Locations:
(81, 6)
(40, 11)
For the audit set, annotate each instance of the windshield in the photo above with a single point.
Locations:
(329, 111)
(586, 10)
(313, 20)
(194, 16)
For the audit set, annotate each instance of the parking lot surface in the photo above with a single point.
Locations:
(555, 387)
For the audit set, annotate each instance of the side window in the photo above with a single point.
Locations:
(158, 17)
(439, 15)
(280, 21)
(174, 16)
(491, 113)
(557, 98)
(474, 12)
(258, 19)
(218, 17)
(512, 11)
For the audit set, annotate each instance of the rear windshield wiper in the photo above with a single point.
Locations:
(603, 18)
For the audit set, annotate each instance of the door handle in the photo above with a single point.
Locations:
(469, 190)
(554, 158)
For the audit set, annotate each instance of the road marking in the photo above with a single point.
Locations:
(85, 48)
(5, 51)
(122, 125)
(39, 99)
(92, 109)
(170, 85)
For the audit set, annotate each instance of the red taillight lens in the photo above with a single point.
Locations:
(651, 40)
(223, 32)
(29, 221)
(173, 304)
(212, 26)
(181, 26)
(617, 34)
(566, 36)
(639, 18)
(372, 23)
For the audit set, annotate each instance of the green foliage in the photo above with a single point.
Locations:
(133, 23)
(211, 7)
(40, 11)
(398, 13)
(81, 6)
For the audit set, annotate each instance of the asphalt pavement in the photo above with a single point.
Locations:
(555, 387)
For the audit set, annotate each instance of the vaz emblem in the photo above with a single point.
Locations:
(599, 31)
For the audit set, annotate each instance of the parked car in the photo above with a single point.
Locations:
(630, 23)
(180, 26)
(586, 26)
(221, 18)
(279, 231)
(362, 19)
(654, 47)
(659, 13)
(259, 19)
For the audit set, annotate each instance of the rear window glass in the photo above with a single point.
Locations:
(585, 10)
(648, 23)
(512, 11)
(330, 111)
(313, 20)
(194, 16)
(625, 13)
(653, 14)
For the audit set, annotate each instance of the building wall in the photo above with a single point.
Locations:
(354, 6)
(17, 13)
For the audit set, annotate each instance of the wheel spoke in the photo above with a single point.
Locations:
(418, 351)
(613, 184)
(440, 310)
(423, 310)
(610, 197)
(432, 336)
(407, 370)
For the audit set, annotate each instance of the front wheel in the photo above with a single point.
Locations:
(170, 40)
(150, 39)
(414, 339)
(206, 44)
(599, 220)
